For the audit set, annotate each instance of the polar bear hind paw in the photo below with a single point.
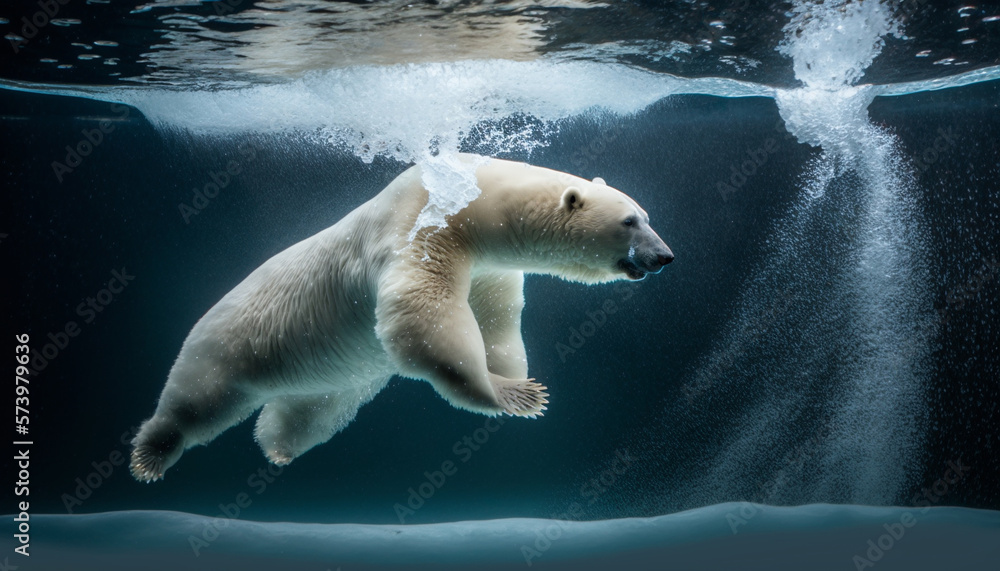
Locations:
(521, 398)
(279, 457)
(147, 464)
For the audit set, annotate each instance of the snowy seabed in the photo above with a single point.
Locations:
(725, 536)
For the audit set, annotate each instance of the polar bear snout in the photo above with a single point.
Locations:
(637, 266)
(663, 258)
(654, 262)
(652, 253)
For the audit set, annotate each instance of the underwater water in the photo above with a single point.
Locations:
(812, 383)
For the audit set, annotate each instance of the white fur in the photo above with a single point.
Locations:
(317, 330)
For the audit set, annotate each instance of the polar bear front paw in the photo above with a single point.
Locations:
(521, 398)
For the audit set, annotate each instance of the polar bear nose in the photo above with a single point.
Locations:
(665, 255)
(655, 254)
(655, 262)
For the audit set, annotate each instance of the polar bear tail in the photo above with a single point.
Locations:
(520, 398)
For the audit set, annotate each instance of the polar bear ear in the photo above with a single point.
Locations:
(599, 180)
(571, 199)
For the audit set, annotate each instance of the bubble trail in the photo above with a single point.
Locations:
(829, 348)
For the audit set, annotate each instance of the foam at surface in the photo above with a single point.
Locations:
(416, 112)
(454, 181)
(832, 43)
(404, 110)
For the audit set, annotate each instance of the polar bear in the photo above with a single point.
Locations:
(317, 330)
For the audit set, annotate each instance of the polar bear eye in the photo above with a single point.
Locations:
(628, 221)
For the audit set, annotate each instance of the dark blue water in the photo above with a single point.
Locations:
(827, 334)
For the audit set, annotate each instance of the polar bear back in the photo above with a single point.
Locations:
(308, 312)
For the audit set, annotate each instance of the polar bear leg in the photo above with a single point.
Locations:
(288, 426)
(430, 332)
(497, 299)
(186, 417)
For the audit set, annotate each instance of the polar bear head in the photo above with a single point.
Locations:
(609, 234)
